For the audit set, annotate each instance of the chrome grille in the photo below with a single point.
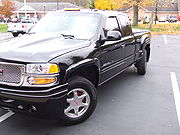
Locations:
(10, 73)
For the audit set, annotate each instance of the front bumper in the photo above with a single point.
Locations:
(48, 103)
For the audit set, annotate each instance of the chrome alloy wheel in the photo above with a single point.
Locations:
(78, 101)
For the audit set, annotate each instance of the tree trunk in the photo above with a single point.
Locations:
(91, 4)
(152, 17)
(151, 20)
(135, 15)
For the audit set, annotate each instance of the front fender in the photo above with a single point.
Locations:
(80, 65)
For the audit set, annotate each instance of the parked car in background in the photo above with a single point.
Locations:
(162, 19)
(2, 20)
(178, 18)
(172, 19)
(14, 20)
(21, 27)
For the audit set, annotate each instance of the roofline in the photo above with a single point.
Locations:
(148, 10)
(105, 12)
(169, 11)
(158, 11)
(140, 7)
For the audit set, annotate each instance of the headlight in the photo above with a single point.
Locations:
(42, 68)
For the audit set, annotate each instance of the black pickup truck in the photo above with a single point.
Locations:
(55, 69)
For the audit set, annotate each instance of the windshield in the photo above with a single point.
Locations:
(80, 25)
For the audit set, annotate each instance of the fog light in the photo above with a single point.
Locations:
(40, 81)
(31, 108)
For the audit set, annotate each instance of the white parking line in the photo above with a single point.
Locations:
(165, 38)
(5, 116)
(176, 94)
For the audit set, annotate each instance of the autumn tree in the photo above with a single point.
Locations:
(7, 8)
(158, 4)
(153, 3)
(118, 4)
(91, 4)
(135, 4)
(106, 4)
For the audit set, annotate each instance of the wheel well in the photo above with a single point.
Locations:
(148, 51)
(91, 73)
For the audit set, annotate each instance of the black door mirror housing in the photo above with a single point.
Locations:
(111, 36)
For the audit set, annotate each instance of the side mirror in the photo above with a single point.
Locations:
(113, 35)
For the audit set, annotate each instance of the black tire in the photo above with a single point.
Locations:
(81, 83)
(23, 33)
(141, 65)
(15, 34)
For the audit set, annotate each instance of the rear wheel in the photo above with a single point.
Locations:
(142, 64)
(23, 33)
(80, 101)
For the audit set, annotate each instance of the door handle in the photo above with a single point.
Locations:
(115, 47)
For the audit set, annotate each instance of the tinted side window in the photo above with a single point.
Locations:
(111, 24)
(125, 25)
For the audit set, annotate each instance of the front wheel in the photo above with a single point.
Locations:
(142, 64)
(15, 34)
(80, 101)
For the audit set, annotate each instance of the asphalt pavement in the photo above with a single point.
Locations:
(5, 36)
(128, 104)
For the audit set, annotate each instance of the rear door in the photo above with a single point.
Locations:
(129, 40)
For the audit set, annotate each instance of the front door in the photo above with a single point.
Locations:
(112, 53)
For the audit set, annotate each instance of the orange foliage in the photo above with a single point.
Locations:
(118, 4)
(106, 4)
(7, 8)
(164, 28)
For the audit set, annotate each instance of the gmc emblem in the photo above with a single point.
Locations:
(1, 72)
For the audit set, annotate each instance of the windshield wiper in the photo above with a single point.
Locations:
(68, 36)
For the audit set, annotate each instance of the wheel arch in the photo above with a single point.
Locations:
(145, 39)
(148, 49)
(88, 69)
(145, 42)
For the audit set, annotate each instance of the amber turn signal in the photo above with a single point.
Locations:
(40, 81)
(53, 69)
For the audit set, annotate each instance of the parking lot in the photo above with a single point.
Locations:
(128, 104)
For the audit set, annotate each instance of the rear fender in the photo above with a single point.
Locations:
(145, 40)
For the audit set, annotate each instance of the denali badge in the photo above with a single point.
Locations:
(1, 72)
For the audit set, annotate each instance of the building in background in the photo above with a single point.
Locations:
(171, 9)
(38, 9)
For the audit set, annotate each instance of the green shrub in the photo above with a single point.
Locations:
(3, 28)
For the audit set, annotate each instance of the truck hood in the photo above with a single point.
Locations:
(39, 47)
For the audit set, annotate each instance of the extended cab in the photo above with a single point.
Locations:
(55, 69)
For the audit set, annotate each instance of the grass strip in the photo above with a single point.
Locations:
(3, 28)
